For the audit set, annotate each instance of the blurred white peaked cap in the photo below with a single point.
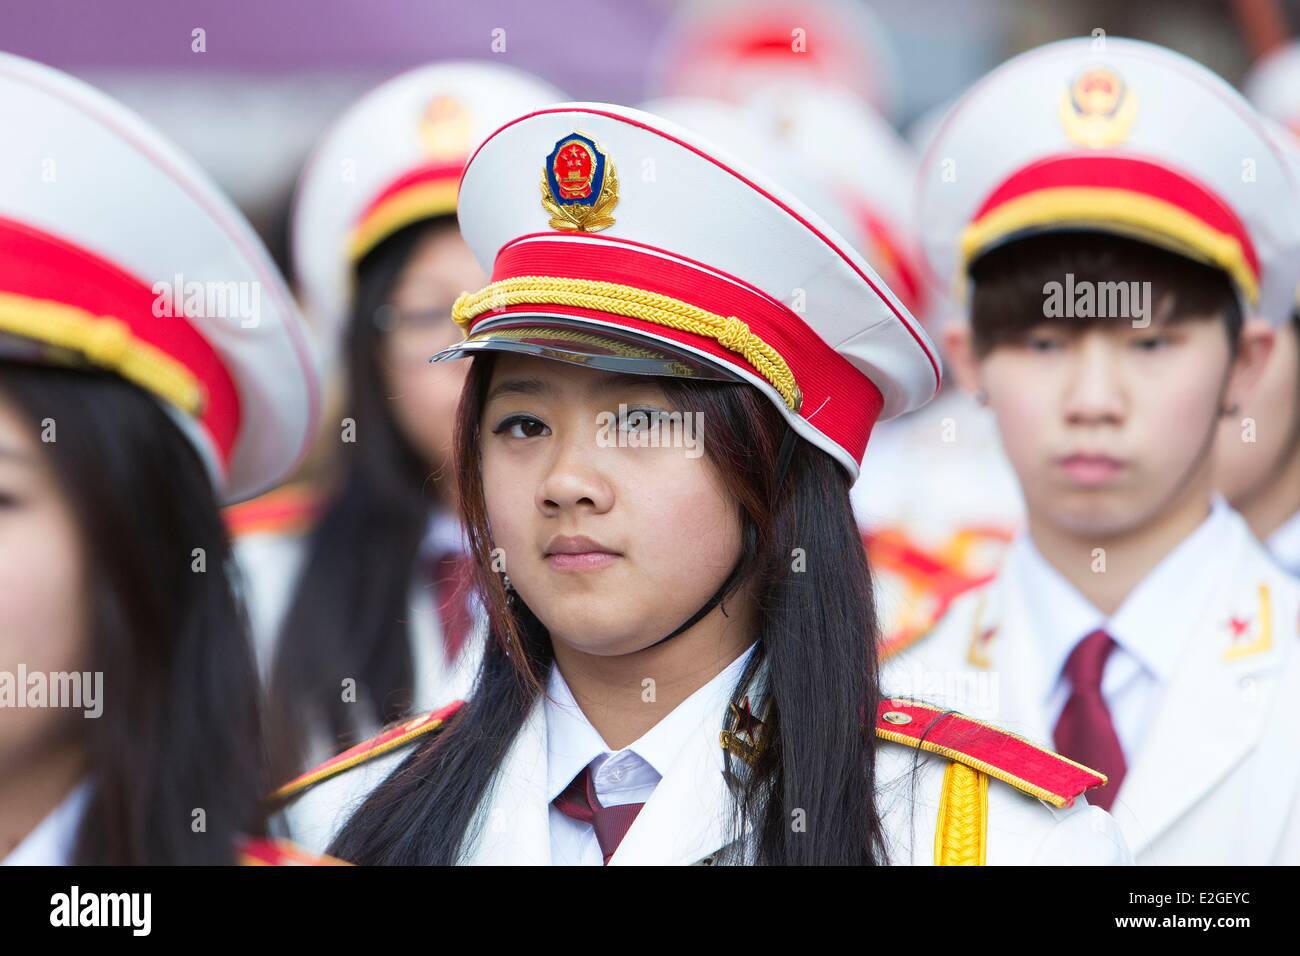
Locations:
(1118, 136)
(746, 139)
(706, 268)
(118, 253)
(869, 166)
(728, 49)
(394, 158)
(1289, 142)
(1273, 85)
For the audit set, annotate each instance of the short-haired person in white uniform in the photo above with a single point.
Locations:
(656, 451)
(1124, 230)
(136, 395)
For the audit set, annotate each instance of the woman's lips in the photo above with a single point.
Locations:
(1087, 469)
(582, 561)
(578, 553)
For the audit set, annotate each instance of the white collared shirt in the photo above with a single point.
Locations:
(53, 840)
(1284, 544)
(1150, 628)
(629, 775)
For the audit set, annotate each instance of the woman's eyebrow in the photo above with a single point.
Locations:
(518, 386)
(615, 380)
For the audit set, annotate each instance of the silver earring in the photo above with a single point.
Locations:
(981, 397)
(1232, 409)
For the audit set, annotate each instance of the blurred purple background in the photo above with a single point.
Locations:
(273, 73)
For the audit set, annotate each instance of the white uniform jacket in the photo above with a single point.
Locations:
(686, 820)
(1215, 778)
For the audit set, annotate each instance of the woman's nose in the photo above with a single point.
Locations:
(574, 478)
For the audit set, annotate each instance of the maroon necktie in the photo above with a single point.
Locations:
(578, 802)
(1085, 731)
(451, 587)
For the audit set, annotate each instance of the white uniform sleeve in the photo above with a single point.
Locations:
(1083, 836)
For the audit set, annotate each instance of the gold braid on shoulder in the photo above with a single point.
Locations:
(961, 832)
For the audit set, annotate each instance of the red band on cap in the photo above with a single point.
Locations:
(433, 173)
(1130, 174)
(41, 266)
(838, 400)
(422, 193)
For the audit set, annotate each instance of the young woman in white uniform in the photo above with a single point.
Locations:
(654, 452)
(129, 410)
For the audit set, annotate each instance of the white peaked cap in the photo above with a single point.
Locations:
(1273, 85)
(746, 139)
(728, 49)
(706, 268)
(118, 253)
(394, 158)
(1119, 136)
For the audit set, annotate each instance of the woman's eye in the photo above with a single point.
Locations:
(1152, 343)
(640, 419)
(521, 426)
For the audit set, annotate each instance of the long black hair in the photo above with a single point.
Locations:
(348, 616)
(175, 758)
(816, 638)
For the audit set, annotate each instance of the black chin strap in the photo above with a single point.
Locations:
(782, 465)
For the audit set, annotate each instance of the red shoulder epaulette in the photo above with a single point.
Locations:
(285, 510)
(262, 851)
(377, 746)
(999, 753)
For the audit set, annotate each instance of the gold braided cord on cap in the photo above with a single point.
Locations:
(104, 341)
(729, 331)
(960, 833)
